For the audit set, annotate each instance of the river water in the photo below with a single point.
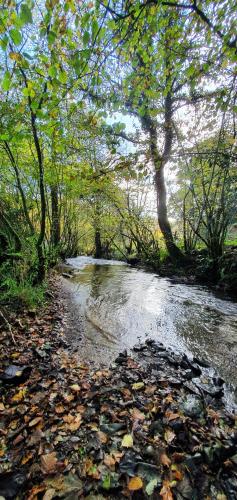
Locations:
(117, 305)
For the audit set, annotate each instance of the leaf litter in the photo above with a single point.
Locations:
(144, 428)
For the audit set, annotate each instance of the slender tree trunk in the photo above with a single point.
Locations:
(55, 228)
(19, 186)
(39, 243)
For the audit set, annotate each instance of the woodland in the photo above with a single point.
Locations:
(118, 140)
(117, 136)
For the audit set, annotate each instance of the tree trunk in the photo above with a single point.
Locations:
(159, 161)
(98, 245)
(19, 186)
(55, 228)
(39, 244)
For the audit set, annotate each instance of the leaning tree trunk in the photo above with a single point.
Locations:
(159, 161)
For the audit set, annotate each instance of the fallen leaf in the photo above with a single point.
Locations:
(49, 494)
(109, 461)
(68, 398)
(19, 396)
(169, 436)
(59, 409)
(48, 463)
(103, 438)
(165, 460)
(2, 407)
(75, 387)
(151, 486)
(137, 414)
(35, 421)
(166, 492)
(127, 441)
(135, 484)
(26, 458)
(137, 386)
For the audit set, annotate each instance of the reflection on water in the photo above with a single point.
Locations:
(120, 305)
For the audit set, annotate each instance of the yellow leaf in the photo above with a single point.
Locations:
(2, 407)
(127, 441)
(26, 458)
(75, 387)
(135, 484)
(138, 385)
(19, 396)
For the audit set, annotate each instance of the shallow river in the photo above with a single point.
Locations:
(117, 305)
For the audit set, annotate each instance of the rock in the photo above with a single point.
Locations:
(208, 387)
(15, 374)
(11, 483)
(111, 428)
(192, 406)
(201, 362)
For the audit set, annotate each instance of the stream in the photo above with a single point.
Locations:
(114, 306)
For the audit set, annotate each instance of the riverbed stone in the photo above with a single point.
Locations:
(192, 406)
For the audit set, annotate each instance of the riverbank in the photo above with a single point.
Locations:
(152, 425)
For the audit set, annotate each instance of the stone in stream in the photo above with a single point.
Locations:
(192, 406)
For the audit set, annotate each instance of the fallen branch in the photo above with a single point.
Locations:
(8, 327)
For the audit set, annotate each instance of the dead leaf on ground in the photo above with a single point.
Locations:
(48, 463)
(135, 484)
(127, 441)
(166, 492)
(35, 421)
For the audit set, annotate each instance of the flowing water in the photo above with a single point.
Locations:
(118, 305)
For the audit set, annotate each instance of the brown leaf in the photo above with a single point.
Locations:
(171, 416)
(26, 458)
(164, 459)
(48, 463)
(109, 461)
(103, 438)
(166, 492)
(149, 391)
(34, 491)
(35, 421)
(59, 409)
(135, 483)
(137, 414)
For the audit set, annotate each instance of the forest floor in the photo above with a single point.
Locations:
(152, 425)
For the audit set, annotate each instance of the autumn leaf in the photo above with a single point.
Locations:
(135, 484)
(103, 438)
(109, 461)
(2, 407)
(137, 414)
(127, 441)
(19, 396)
(164, 459)
(26, 458)
(166, 492)
(75, 387)
(48, 463)
(35, 421)
(59, 409)
(137, 386)
(169, 436)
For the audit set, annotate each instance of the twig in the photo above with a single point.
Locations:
(8, 327)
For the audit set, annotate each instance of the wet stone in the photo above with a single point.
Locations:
(192, 406)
